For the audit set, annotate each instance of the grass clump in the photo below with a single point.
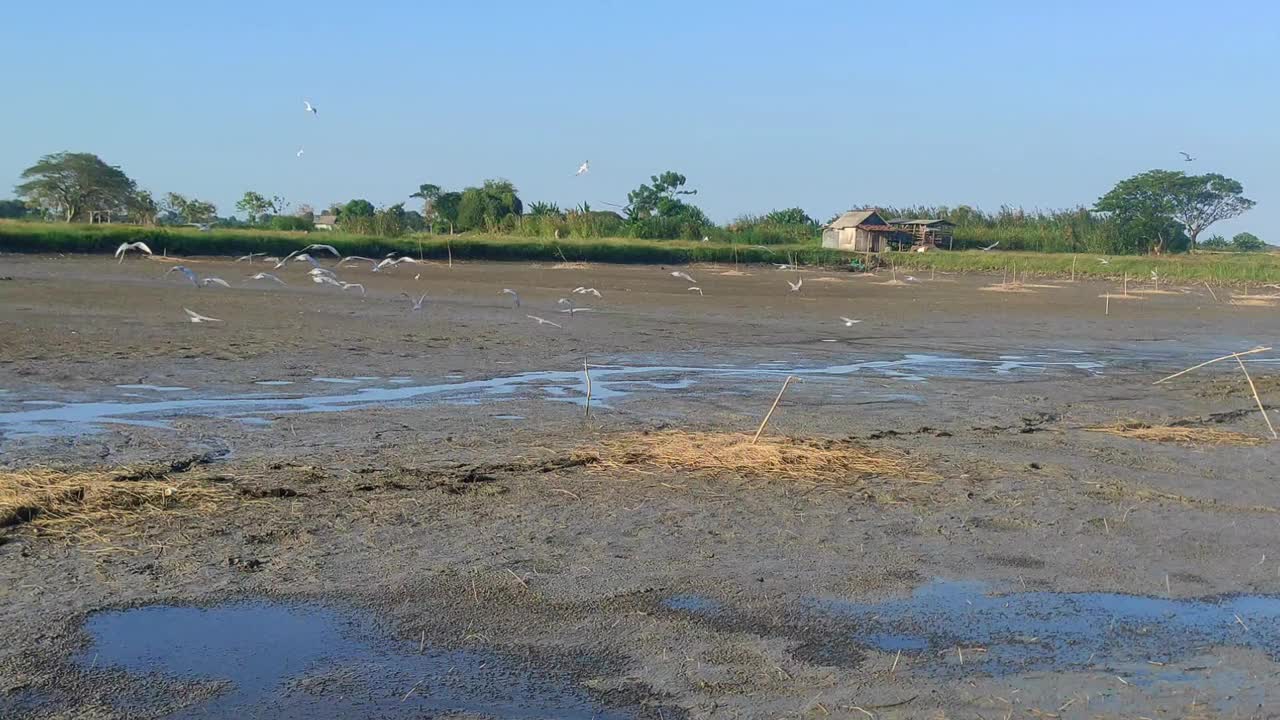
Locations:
(1216, 268)
(1174, 434)
(81, 504)
(733, 454)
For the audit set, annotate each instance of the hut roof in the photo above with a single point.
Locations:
(855, 218)
(928, 222)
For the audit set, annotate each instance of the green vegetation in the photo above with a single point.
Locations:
(74, 185)
(60, 237)
(1215, 268)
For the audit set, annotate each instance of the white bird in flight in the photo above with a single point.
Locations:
(696, 288)
(249, 257)
(322, 279)
(1185, 157)
(573, 310)
(991, 246)
(849, 322)
(215, 281)
(372, 263)
(349, 285)
(1104, 261)
(683, 276)
(417, 304)
(322, 271)
(327, 248)
(300, 151)
(198, 318)
(584, 168)
(126, 247)
(795, 286)
(297, 256)
(186, 272)
(911, 278)
(545, 322)
(309, 107)
(515, 295)
(266, 276)
(586, 291)
(389, 262)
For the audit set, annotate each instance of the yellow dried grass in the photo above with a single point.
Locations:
(725, 453)
(71, 503)
(1174, 434)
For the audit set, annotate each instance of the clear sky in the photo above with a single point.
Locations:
(762, 104)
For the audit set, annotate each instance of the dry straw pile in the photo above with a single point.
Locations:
(734, 454)
(1181, 435)
(80, 504)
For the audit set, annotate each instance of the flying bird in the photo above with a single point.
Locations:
(266, 276)
(372, 263)
(322, 271)
(325, 280)
(417, 304)
(300, 151)
(1185, 157)
(992, 246)
(515, 295)
(795, 286)
(249, 257)
(388, 262)
(583, 169)
(545, 322)
(573, 310)
(215, 281)
(586, 291)
(849, 322)
(349, 285)
(911, 278)
(309, 107)
(186, 272)
(327, 248)
(1104, 261)
(696, 288)
(683, 276)
(782, 266)
(126, 247)
(198, 318)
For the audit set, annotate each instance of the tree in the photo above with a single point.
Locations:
(662, 198)
(428, 193)
(255, 205)
(1216, 242)
(487, 206)
(188, 210)
(1247, 242)
(446, 208)
(790, 216)
(543, 209)
(1198, 201)
(13, 209)
(142, 208)
(359, 208)
(1143, 206)
(74, 184)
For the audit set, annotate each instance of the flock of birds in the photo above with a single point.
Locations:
(322, 275)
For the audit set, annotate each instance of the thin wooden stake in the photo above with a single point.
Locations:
(448, 246)
(1126, 284)
(587, 374)
(1212, 294)
(1107, 311)
(1210, 362)
(1257, 399)
(773, 407)
(1073, 268)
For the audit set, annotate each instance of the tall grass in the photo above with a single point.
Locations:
(56, 237)
(1217, 268)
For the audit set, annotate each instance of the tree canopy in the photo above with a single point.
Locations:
(1247, 242)
(73, 185)
(179, 208)
(13, 209)
(1165, 209)
(254, 205)
(662, 198)
(1199, 201)
(485, 207)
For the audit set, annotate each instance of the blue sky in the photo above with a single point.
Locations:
(825, 105)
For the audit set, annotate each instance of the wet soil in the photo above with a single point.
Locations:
(416, 490)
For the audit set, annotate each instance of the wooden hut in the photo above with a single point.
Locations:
(858, 231)
(934, 232)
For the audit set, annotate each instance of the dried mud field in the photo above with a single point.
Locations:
(329, 504)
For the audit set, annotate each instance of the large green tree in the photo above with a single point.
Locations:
(182, 209)
(75, 184)
(13, 209)
(143, 208)
(1247, 242)
(254, 205)
(485, 207)
(662, 198)
(1199, 201)
(1142, 207)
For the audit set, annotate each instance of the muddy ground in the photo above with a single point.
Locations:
(458, 514)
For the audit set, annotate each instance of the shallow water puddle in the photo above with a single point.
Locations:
(1026, 631)
(608, 383)
(308, 661)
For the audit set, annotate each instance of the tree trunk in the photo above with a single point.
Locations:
(1193, 235)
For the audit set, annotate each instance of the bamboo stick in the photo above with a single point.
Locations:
(587, 374)
(773, 407)
(1210, 362)
(1257, 399)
